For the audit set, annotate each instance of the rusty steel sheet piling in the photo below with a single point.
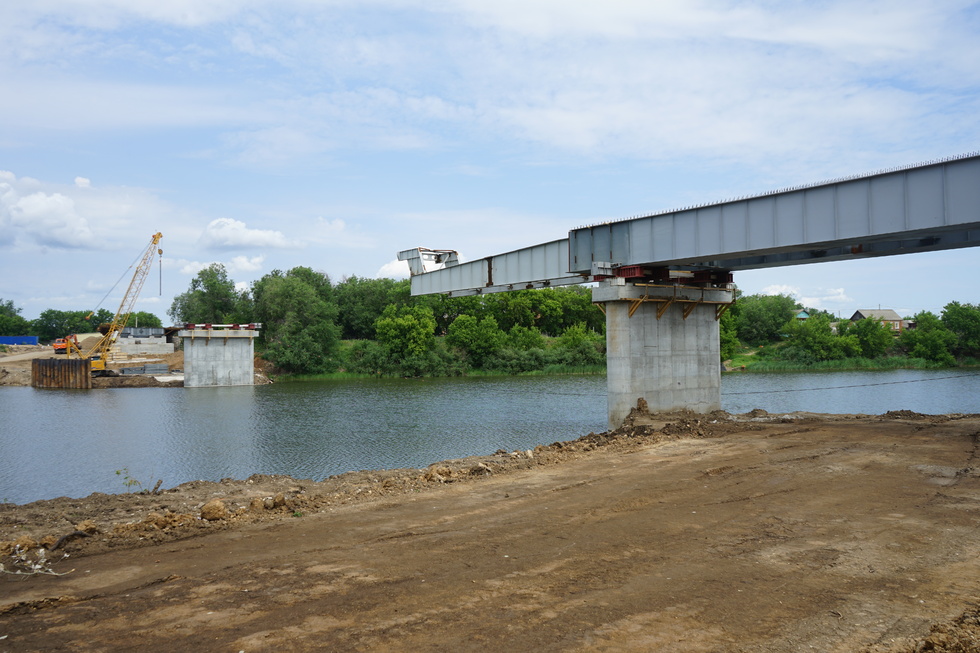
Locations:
(60, 373)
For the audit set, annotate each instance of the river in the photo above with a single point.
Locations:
(71, 443)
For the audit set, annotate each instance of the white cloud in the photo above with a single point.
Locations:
(828, 299)
(245, 264)
(731, 80)
(78, 215)
(189, 268)
(393, 270)
(111, 14)
(226, 233)
(235, 265)
(335, 233)
(274, 145)
(780, 289)
(47, 219)
(38, 102)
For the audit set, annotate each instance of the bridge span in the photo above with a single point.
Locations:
(664, 279)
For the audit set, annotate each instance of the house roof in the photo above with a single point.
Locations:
(884, 314)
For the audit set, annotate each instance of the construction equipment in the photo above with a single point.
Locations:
(61, 344)
(98, 353)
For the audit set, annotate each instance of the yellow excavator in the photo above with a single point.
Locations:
(98, 353)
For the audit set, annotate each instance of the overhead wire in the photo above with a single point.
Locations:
(761, 392)
(856, 385)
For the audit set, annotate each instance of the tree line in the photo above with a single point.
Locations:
(768, 323)
(52, 323)
(311, 325)
(374, 326)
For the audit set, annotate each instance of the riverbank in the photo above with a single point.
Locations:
(683, 532)
(762, 360)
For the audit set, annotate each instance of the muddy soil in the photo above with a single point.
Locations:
(680, 533)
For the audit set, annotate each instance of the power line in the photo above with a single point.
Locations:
(857, 385)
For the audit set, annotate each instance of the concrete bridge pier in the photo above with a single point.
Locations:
(219, 354)
(661, 346)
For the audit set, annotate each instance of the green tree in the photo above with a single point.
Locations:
(362, 301)
(299, 330)
(479, 339)
(579, 345)
(11, 321)
(144, 319)
(210, 299)
(552, 310)
(549, 316)
(51, 324)
(813, 339)
(97, 319)
(728, 334)
(964, 321)
(406, 331)
(446, 309)
(873, 336)
(577, 308)
(523, 338)
(761, 319)
(930, 340)
(511, 309)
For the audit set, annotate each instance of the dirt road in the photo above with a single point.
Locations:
(828, 535)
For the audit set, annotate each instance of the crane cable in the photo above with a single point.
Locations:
(121, 277)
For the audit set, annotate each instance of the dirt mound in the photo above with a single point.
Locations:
(85, 344)
(960, 635)
(14, 350)
(14, 376)
(174, 361)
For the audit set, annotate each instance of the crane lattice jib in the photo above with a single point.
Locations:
(128, 302)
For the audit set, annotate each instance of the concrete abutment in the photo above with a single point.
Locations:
(218, 357)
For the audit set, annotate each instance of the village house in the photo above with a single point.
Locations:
(889, 317)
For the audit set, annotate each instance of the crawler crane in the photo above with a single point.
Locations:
(98, 353)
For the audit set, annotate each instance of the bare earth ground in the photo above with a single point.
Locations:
(677, 532)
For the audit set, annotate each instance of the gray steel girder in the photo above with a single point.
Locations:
(930, 207)
(933, 206)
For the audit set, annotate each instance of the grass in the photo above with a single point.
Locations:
(331, 376)
(550, 370)
(846, 364)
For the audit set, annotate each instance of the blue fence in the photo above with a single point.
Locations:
(18, 340)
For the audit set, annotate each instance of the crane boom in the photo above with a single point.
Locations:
(97, 354)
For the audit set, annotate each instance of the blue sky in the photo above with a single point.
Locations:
(333, 134)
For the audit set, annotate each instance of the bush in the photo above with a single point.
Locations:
(367, 357)
(930, 339)
(479, 340)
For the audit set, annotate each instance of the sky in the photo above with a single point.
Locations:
(334, 133)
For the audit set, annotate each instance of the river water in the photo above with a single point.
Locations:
(71, 443)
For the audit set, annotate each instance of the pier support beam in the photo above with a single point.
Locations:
(662, 346)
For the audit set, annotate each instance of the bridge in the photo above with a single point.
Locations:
(665, 279)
